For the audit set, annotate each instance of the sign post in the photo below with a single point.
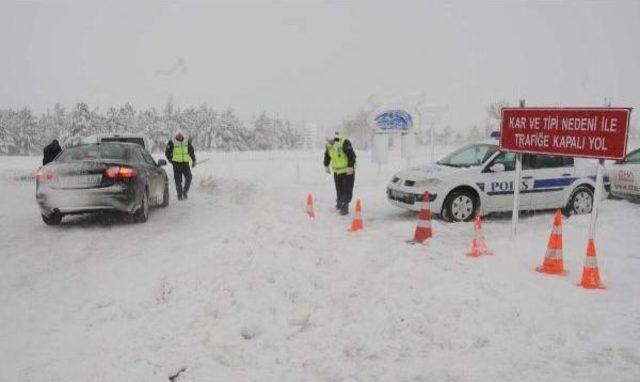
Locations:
(599, 133)
(596, 199)
(515, 217)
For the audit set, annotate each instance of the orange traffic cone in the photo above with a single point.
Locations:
(309, 208)
(478, 246)
(356, 223)
(590, 273)
(553, 263)
(423, 228)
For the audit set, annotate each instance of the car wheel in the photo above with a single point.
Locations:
(580, 202)
(142, 213)
(165, 195)
(53, 219)
(460, 206)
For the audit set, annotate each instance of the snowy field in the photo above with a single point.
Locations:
(237, 284)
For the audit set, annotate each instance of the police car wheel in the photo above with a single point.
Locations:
(460, 206)
(580, 202)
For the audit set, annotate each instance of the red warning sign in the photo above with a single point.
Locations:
(579, 132)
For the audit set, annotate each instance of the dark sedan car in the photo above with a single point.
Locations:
(101, 177)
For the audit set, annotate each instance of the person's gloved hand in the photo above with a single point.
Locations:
(193, 164)
(327, 170)
(349, 170)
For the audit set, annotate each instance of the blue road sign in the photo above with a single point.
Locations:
(393, 121)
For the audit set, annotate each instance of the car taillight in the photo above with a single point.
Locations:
(42, 175)
(127, 172)
(121, 172)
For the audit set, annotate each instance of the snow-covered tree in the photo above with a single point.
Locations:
(358, 130)
(264, 133)
(80, 125)
(231, 135)
(22, 133)
(150, 123)
(494, 115)
(445, 136)
(458, 138)
(474, 134)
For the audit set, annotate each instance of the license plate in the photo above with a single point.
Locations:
(79, 181)
(397, 193)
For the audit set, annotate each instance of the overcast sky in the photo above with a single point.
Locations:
(319, 61)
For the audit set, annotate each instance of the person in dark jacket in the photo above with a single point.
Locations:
(340, 157)
(51, 151)
(180, 152)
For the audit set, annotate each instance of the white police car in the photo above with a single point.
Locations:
(479, 177)
(625, 177)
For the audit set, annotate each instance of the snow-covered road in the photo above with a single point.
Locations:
(237, 284)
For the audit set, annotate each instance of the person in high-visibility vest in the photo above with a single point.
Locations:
(180, 152)
(340, 158)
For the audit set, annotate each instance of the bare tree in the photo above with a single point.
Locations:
(358, 130)
(494, 117)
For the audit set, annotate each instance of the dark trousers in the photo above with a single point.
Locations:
(344, 188)
(180, 170)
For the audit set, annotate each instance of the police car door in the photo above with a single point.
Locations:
(551, 177)
(497, 183)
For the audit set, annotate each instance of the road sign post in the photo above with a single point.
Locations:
(516, 197)
(515, 214)
(597, 195)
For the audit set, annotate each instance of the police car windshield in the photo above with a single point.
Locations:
(469, 156)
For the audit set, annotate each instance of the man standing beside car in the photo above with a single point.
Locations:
(180, 152)
(50, 152)
(340, 157)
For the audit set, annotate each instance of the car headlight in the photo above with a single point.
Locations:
(432, 182)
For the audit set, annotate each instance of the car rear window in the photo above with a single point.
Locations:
(137, 140)
(95, 152)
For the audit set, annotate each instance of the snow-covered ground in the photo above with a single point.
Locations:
(237, 284)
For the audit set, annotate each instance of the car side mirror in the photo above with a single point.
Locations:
(162, 162)
(498, 167)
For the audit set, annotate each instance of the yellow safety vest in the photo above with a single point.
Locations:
(180, 151)
(339, 160)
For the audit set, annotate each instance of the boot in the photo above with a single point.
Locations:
(344, 209)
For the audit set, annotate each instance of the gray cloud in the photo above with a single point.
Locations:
(178, 67)
(319, 61)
